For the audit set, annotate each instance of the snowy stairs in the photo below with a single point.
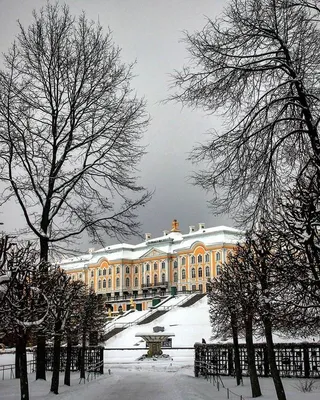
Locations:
(152, 317)
(193, 300)
(113, 332)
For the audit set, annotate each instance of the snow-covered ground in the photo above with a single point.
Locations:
(170, 379)
(150, 381)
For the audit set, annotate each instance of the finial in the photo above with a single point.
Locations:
(175, 226)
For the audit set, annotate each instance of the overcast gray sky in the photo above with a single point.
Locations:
(150, 32)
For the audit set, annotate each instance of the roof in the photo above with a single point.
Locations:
(170, 243)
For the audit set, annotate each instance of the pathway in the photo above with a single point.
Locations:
(155, 385)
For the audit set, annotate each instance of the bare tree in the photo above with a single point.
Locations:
(24, 305)
(64, 297)
(263, 264)
(258, 65)
(296, 228)
(92, 319)
(73, 324)
(242, 289)
(70, 127)
(225, 315)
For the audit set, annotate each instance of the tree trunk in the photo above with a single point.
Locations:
(56, 359)
(41, 357)
(82, 369)
(68, 362)
(24, 387)
(44, 249)
(272, 360)
(17, 361)
(41, 339)
(255, 385)
(237, 363)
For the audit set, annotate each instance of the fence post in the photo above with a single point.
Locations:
(101, 360)
(228, 393)
(306, 361)
(196, 362)
(218, 386)
(230, 361)
(266, 361)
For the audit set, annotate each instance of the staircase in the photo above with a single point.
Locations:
(193, 300)
(113, 332)
(152, 317)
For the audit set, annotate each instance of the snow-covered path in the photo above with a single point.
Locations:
(156, 385)
(124, 383)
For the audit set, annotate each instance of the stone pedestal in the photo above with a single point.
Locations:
(154, 341)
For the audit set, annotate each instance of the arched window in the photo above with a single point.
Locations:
(80, 275)
(104, 284)
(110, 271)
(148, 280)
(118, 270)
(200, 272)
(127, 282)
(99, 272)
(200, 258)
(136, 270)
(175, 264)
(155, 280)
(117, 282)
(92, 273)
(109, 283)
(147, 267)
(73, 277)
(163, 265)
(183, 274)
(135, 282)
(183, 261)
(127, 270)
(193, 273)
(163, 278)
(92, 284)
(155, 266)
(207, 271)
(207, 257)
(175, 277)
(193, 260)
(104, 271)
(218, 256)
(218, 269)
(99, 284)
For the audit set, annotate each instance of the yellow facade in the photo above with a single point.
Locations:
(151, 269)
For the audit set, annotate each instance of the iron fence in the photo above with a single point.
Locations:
(8, 371)
(301, 360)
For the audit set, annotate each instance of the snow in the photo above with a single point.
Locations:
(149, 381)
(189, 325)
(170, 379)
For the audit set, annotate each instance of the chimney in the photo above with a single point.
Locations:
(165, 233)
(147, 236)
(192, 228)
(201, 226)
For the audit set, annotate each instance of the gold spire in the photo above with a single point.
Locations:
(175, 226)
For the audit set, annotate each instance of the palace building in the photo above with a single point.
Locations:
(157, 267)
